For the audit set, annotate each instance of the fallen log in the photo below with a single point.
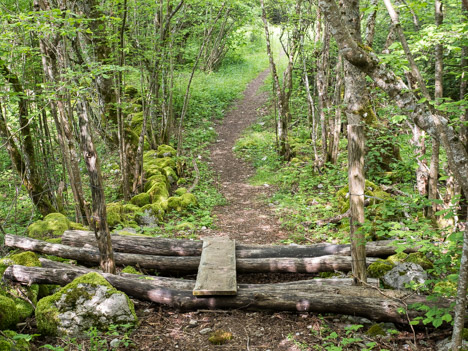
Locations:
(176, 247)
(187, 284)
(359, 301)
(186, 264)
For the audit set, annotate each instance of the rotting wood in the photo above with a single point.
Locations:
(319, 299)
(217, 269)
(329, 263)
(176, 247)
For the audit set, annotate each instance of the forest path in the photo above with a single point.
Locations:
(246, 217)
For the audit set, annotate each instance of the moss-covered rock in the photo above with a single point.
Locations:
(180, 203)
(52, 226)
(152, 210)
(376, 330)
(397, 258)
(77, 226)
(170, 174)
(158, 192)
(166, 151)
(220, 337)
(379, 268)
(373, 191)
(185, 226)
(87, 301)
(115, 214)
(9, 341)
(8, 313)
(141, 200)
(421, 259)
(180, 191)
(156, 178)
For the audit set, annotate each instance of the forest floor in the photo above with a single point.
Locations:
(249, 219)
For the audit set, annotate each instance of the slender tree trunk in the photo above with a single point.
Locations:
(357, 102)
(99, 219)
(370, 28)
(336, 125)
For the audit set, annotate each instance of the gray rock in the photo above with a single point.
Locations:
(114, 343)
(205, 331)
(403, 274)
(147, 219)
(446, 345)
(128, 230)
(193, 323)
(89, 301)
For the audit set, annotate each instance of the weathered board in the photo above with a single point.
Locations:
(217, 269)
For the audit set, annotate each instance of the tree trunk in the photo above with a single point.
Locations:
(357, 102)
(365, 302)
(99, 219)
(336, 125)
(178, 247)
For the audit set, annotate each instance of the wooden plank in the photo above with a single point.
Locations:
(217, 269)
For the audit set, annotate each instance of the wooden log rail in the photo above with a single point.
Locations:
(176, 247)
(381, 306)
(186, 264)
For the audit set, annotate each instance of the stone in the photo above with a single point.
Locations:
(52, 226)
(446, 345)
(404, 274)
(193, 323)
(205, 331)
(141, 200)
(147, 218)
(8, 313)
(88, 301)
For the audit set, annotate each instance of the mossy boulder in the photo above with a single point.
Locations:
(158, 192)
(155, 179)
(8, 313)
(170, 174)
(88, 301)
(129, 212)
(141, 200)
(10, 341)
(397, 258)
(52, 226)
(153, 210)
(421, 259)
(180, 203)
(373, 191)
(77, 226)
(376, 330)
(379, 268)
(114, 214)
(166, 151)
(181, 191)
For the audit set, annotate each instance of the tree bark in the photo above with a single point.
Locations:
(364, 302)
(329, 263)
(177, 247)
(99, 218)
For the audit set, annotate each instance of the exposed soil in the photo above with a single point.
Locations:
(247, 218)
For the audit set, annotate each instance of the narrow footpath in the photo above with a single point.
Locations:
(247, 218)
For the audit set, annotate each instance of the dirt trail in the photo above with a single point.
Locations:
(245, 218)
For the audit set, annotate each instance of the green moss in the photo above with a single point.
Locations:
(180, 191)
(54, 240)
(27, 258)
(397, 258)
(131, 270)
(373, 191)
(445, 288)
(421, 259)
(186, 226)
(220, 337)
(9, 342)
(141, 200)
(53, 226)
(77, 226)
(156, 178)
(136, 123)
(47, 312)
(180, 203)
(155, 210)
(8, 313)
(376, 330)
(46, 290)
(114, 214)
(182, 181)
(170, 174)
(158, 192)
(188, 199)
(166, 151)
(379, 268)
